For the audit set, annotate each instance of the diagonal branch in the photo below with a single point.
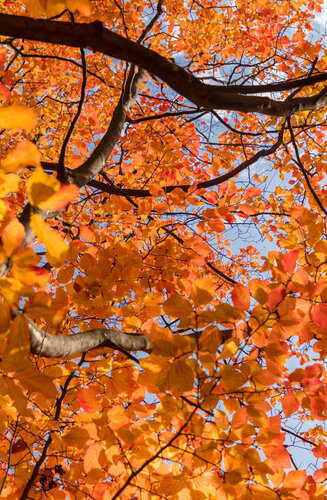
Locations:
(144, 193)
(303, 170)
(61, 168)
(96, 161)
(95, 36)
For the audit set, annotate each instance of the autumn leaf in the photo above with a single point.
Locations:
(88, 400)
(56, 247)
(25, 154)
(177, 376)
(203, 291)
(290, 404)
(17, 116)
(92, 457)
(47, 193)
(230, 348)
(26, 270)
(12, 236)
(182, 287)
(320, 315)
(35, 381)
(18, 346)
(241, 296)
(177, 306)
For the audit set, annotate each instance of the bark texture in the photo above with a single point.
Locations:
(96, 37)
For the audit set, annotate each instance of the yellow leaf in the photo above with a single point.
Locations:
(230, 348)
(83, 6)
(203, 291)
(18, 347)
(17, 116)
(12, 290)
(35, 381)
(25, 153)
(47, 193)
(12, 236)
(25, 268)
(56, 247)
(8, 184)
(177, 306)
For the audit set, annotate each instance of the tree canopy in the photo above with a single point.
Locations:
(163, 249)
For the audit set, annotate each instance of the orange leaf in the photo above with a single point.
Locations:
(230, 348)
(18, 346)
(25, 268)
(203, 291)
(320, 315)
(56, 247)
(35, 381)
(77, 436)
(241, 297)
(92, 457)
(289, 261)
(25, 154)
(12, 236)
(88, 400)
(176, 376)
(251, 192)
(47, 193)
(17, 116)
(65, 194)
(177, 306)
(289, 404)
(83, 6)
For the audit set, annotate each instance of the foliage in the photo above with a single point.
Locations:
(163, 249)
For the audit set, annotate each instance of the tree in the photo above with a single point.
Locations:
(163, 261)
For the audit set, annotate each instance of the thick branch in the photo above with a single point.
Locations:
(62, 346)
(94, 36)
(95, 163)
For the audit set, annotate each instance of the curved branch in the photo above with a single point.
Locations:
(96, 161)
(144, 193)
(63, 346)
(94, 36)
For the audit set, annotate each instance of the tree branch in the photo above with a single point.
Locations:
(95, 163)
(63, 346)
(94, 36)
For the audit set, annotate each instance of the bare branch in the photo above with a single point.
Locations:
(63, 346)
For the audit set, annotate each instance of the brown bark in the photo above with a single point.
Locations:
(94, 36)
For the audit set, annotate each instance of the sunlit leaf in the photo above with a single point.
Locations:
(17, 116)
(203, 291)
(241, 296)
(177, 306)
(56, 247)
(18, 346)
(12, 236)
(25, 154)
